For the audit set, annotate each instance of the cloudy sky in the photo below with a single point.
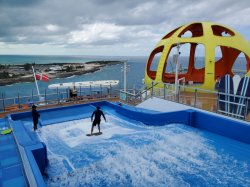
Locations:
(107, 27)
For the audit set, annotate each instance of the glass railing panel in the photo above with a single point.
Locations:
(205, 100)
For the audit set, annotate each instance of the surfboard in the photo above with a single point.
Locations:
(243, 90)
(6, 131)
(94, 134)
(236, 80)
(226, 86)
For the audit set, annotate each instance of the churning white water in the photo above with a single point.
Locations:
(132, 154)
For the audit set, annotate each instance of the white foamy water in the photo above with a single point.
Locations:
(70, 77)
(129, 154)
(74, 133)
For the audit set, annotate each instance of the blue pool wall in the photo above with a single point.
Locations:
(218, 124)
(34, 154)
(235, 129)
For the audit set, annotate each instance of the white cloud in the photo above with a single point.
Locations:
(93, 33)
(21, 38)
(52, 28)
(239, 18)
(141, 9)
(127, 27)
(109, 39)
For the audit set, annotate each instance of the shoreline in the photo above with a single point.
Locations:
(17, 73)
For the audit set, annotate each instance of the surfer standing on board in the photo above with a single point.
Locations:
(97, 113)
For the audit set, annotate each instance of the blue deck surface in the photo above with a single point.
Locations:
(137, 147)
(11, 172)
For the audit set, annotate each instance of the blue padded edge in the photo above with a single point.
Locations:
(37, 161)
(34, 150)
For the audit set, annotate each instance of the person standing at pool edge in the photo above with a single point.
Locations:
(97, 113)
(35, 116)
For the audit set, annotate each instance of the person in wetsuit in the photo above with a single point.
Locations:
(97, 113)
(35, 116)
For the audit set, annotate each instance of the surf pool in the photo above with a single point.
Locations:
(158, 150)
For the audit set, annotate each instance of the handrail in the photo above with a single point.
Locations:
(145, 90)
(183, 78)
(139, 93)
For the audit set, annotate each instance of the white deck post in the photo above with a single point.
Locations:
(177, 68)
(125, 76)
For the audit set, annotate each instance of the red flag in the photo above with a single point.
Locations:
(42, 77)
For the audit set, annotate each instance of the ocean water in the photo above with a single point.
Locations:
(135, 73)
(134, 79)
(129, 153)
(47, 59)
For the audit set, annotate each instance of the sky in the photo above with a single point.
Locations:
(107, 27)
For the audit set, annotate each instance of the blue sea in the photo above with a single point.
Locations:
(134, 79)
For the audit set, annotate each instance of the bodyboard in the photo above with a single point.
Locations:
(236, 80)
(242, 103)
(94, 134)
(226, 86)
(6, 131)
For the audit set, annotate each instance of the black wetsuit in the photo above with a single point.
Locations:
(97, 114)
(35, 116)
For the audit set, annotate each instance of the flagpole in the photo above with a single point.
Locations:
(36, 82)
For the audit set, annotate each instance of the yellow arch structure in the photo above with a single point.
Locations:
(211, 36)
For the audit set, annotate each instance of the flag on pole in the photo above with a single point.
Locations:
(42, 77)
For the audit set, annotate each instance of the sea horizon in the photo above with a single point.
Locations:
(19, 59)
(16, 59)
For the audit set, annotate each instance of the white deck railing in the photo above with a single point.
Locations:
(196, 97)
